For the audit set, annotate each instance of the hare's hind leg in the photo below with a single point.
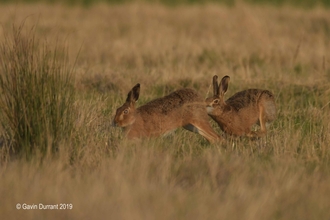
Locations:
(267, 111)
(262, 122)
(203, 128)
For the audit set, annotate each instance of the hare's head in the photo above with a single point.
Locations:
(217, 101)
(125, 115)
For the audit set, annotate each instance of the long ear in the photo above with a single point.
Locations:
(223, 86)
(215, 85)
(133, 95)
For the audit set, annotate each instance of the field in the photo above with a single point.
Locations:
(100, 174)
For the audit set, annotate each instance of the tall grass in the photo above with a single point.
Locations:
(37, 97)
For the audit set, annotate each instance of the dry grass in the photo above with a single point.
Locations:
(283, 176)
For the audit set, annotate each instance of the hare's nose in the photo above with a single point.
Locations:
(209, 109)
(113, 123)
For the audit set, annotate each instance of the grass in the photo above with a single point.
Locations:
(37, 98)
(285, 175)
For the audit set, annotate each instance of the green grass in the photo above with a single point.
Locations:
(37, 99)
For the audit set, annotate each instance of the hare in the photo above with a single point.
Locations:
(182, 108)
(239, 113)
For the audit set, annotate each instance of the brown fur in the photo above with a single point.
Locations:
(182, 108)
(239, 113)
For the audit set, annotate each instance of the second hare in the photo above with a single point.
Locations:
(182, 108)
(239, 113)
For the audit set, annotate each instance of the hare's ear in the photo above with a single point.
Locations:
(133, 95)
(215, 85)
(223, 85)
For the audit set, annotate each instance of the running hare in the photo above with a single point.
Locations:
(182, 108)
(239, 113)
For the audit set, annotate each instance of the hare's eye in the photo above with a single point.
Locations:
(126, 111)
(216, 101)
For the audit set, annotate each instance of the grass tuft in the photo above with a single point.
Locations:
(36, 93)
